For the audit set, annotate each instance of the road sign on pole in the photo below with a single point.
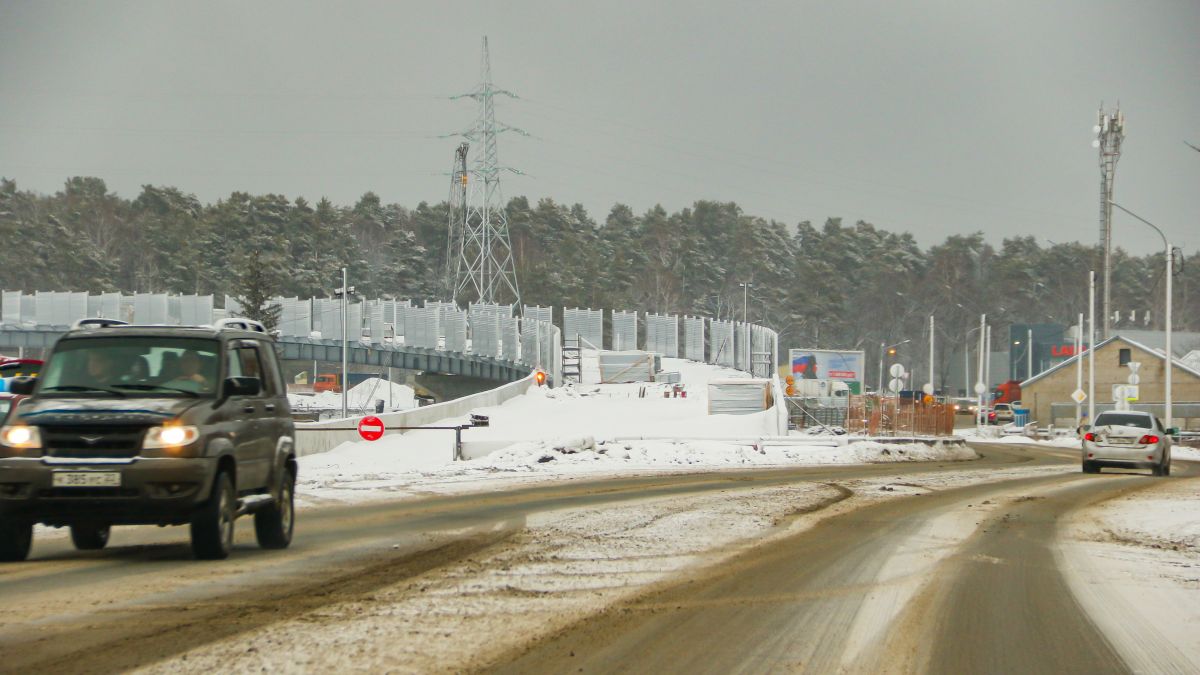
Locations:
(1079, 395)
(896, 370)
(896, 385)
(370, 428)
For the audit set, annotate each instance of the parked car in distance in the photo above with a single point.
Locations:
(1129, 440)
(1001, 413)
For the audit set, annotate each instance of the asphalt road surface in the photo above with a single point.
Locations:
(820, 600)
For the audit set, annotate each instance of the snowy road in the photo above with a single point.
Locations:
(925, 566)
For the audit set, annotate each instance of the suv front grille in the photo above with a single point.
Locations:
(93, 441)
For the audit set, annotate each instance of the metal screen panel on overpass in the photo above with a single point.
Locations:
(721, 347)
(150, 308)
(485, 332)
(197, 310)
(587, 324)
(538, 313)
(421, 327)
(295, 317)
(10, 309)
(624, 330)
(662, 335)
(327, 317)
(693, 338)
(509, 338)
(454, 325)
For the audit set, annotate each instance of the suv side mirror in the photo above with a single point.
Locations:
(22, 386)
(1171, 431)
(242, 386)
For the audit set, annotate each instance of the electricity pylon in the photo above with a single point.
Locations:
(479, 254)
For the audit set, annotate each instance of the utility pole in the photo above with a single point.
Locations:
(1110, 133)
(932, 385)
(1029, 353)
(1091, 347)
(980, 387)
(1078, 367)
(484, 270)
(745, 313)
(345, 341)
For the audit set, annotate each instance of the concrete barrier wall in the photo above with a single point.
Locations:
(316, 437)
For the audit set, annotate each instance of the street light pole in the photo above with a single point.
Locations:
(1170, 360)
(1029, 353)
(745, 313)
(932, 386)
(345, 342)
(883, 349)
(1091, 347)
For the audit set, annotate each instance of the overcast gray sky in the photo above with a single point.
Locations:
(931, 117)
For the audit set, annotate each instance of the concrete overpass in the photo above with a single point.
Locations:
(430, 361)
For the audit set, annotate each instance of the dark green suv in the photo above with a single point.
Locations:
(160, 425)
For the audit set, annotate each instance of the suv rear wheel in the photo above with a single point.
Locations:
(90, 536)
(15, 539)
(273, 524)
(212, 526)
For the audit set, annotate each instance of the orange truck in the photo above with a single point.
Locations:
(1007, 392)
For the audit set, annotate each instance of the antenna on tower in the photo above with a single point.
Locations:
(478, 247)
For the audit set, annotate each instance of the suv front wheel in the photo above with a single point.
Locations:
(273, 524)
(15, 539)
(212, 526)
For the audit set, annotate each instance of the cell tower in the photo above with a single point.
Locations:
(480, 261)
(1110, 132)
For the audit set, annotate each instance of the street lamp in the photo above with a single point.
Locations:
(1170, 258)
(886, 349)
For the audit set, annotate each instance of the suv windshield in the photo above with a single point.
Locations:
(131, 366)
(1124, 420)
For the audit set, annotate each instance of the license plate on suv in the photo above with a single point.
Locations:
(87, 479)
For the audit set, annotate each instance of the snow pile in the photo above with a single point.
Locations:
(590, 429)
(361, 396)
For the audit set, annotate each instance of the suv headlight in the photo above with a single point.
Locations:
(173, 436)
(21, 437)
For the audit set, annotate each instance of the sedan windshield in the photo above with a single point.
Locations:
(1123, 420)
(133, 367)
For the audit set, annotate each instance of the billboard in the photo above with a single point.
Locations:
(827, 364)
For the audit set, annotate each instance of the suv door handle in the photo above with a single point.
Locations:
(270, 407)
(248, 408)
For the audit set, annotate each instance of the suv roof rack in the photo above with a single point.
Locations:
(240, 324)
(97, 322)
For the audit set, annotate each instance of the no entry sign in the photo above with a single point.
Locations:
(370, 428)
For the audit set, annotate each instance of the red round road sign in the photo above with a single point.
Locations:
(370, 428)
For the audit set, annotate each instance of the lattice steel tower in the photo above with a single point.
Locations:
(480, 260)
(1110, 132)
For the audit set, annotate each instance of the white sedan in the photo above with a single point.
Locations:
(1129, 440)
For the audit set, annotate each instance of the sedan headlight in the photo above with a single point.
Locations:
(21, 437)
(172, 436)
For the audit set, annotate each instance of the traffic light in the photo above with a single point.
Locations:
(540, 377)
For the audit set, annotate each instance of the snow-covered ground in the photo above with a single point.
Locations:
(361, 396)
(554, 434)
(1134, 564)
